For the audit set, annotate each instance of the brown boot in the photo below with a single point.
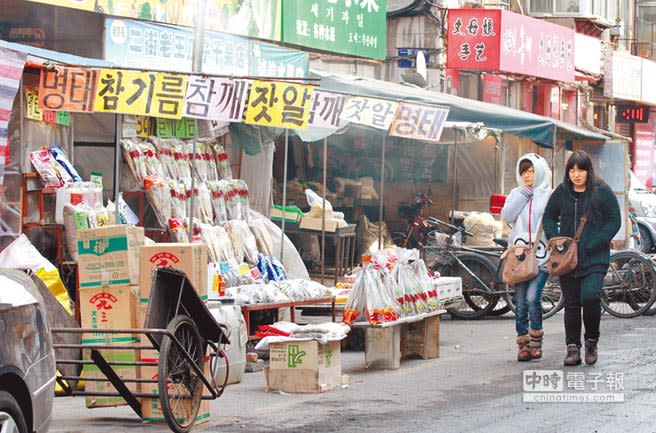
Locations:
(524, 353)
(573, 355)
(535, 345)
(590, 351)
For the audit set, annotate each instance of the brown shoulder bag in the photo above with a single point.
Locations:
(519, 261)
(563, 251)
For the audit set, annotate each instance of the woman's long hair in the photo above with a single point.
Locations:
(583, 161)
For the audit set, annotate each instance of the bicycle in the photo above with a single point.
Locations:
(629, 288)
(417, 231)
(479, 271)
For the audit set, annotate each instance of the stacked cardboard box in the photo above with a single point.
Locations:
(109, 274)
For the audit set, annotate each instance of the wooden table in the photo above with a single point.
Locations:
(248, 308)
(386, 344)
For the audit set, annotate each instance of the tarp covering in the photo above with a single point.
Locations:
(39, 55)
(540, 129)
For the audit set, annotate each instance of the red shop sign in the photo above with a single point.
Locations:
(508, 42)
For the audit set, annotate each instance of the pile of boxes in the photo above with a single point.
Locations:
(115, 276)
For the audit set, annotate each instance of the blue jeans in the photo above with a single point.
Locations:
(529, 307)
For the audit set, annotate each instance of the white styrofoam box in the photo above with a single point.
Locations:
(448, 287)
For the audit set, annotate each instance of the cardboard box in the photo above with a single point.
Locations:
(448, 288)
(146, 355)
(304, 366)
(188, 258)
(310, 223)
(123, 371)
(109, 255)
(288, 213)
(151, 410)
(110, 307)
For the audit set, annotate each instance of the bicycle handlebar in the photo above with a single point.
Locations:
(451, 226)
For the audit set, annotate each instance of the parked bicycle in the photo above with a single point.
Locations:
(482, 287)
(416, 233)
(629, 286)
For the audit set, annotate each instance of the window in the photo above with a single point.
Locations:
(646, 30)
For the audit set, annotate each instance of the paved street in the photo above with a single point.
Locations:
(474, 386)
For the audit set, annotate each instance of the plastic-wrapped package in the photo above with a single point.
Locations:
(166, 158)
(151, 161)
(177, 229)
(256, 294)
(203, 204)
(356, 303)
(134, 158)
(429, 292)
(178, 199)
(222, 162)
(208, 235)
(242, 189)
(218, 202)
(243, 240)
(46, 166)
(232, 199)
(75, 218)
(225, 251)
(62, 160)
(158, 193)
(302, 289)
(264, 243)
(210, 161)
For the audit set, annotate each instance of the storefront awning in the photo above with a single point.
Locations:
(38, 56)
(539, 129)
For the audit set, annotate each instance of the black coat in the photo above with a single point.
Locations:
(562, 216)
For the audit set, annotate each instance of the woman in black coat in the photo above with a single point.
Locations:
(583, 193)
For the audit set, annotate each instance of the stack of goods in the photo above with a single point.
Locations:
(484, 228)
(277, 292)
(389, 286)
(54, 167)
(321, 214)
(108, 272)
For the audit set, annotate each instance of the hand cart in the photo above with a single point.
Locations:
(180, 327)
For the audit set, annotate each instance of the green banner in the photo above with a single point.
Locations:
(355, 27)
(184, 128)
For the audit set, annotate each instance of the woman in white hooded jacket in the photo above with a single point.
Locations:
(523, 210)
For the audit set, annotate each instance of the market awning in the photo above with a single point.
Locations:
(540, 129)
(38, 56)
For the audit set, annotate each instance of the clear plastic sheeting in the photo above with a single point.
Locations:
(257, 171)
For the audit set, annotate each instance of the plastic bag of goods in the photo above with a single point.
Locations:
(62, 160)
(233, 202)
(217, 195)
(166, 158)
(429, 293)
(410, 288)
(46, 166)
(243, 241)
(316, 205)
(484, 228)
(242, 190)
(158, 193)
(222, 162)
(356, 302)
(262, 238)
(75, 218)
(203, 206)
(381, 307)
(224, 248)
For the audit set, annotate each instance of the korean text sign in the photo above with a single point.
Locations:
(68, 89)
(357, 27)
(377, 113)
(419, 122)
(216, 98)
(327, 109)
(274, 103)
(505, 41)
(145, 93)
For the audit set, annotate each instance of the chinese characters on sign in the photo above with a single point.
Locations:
(355, 27)
(216, 98)
(504, 41)
(138, 44)
(326, 109)
(419, 122)
(133, 92)
(68, 89)
(377, 113)
(279, 104)
(572, 386)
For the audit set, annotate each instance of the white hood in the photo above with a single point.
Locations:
(542, 180)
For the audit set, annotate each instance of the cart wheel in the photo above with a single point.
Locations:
(180, 387)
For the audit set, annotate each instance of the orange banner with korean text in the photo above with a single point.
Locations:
(67, 89)
(280, 104)
(157, 94)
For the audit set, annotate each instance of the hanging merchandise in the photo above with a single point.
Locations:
(222, 162)
(226, 252)
(158, 193)
(218, 201)
(264, 243)
(243, 241)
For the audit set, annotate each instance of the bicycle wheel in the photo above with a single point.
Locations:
(180, 387)
(552, 298)
(629, 285)
(477, 302)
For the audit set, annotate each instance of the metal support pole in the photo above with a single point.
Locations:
(117, 166)
(382, 193)
(284, 196)
(323, 213)
(455, 173)
(197, 68)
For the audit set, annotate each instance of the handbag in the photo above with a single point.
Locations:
(563, 251)
(519, 261)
